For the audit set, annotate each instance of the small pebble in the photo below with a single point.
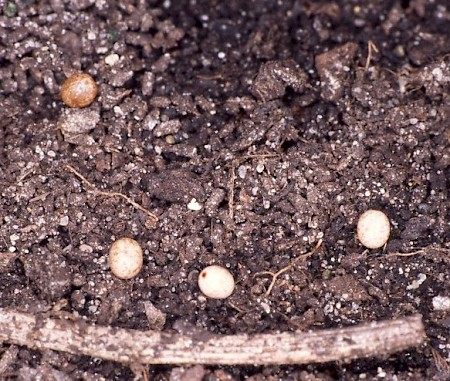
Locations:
(194, 205)
(441, 303)
(64, 221)
(112, 59)
(86, 248)
(216, 282)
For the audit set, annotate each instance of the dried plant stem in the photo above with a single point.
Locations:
(110, 194)
(137, 347)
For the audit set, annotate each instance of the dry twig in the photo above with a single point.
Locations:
(136, 347)
(110, 194)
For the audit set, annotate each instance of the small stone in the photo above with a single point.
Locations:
(112, 59)
(64, 221)
(441, 303)
(74, 121)
(332, 69)
(275, 76)
(86, 248)
(156, 318)
(194, 205)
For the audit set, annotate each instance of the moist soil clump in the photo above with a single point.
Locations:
(238, 134)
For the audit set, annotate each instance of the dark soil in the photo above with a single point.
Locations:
(284, 120)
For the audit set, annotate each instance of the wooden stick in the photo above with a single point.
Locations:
(138, 347)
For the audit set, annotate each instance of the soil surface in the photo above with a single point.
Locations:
(252, 130)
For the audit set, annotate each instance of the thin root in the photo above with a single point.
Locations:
(288, 267)
(110, 194)
(370, 47)
(405, 254)
(423, 251)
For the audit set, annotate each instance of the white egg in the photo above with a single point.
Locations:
(216, 282)
(373, 229)
(125, 258)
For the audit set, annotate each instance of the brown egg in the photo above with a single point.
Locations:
(79, 90)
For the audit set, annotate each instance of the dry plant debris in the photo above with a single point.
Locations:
(136, 347)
